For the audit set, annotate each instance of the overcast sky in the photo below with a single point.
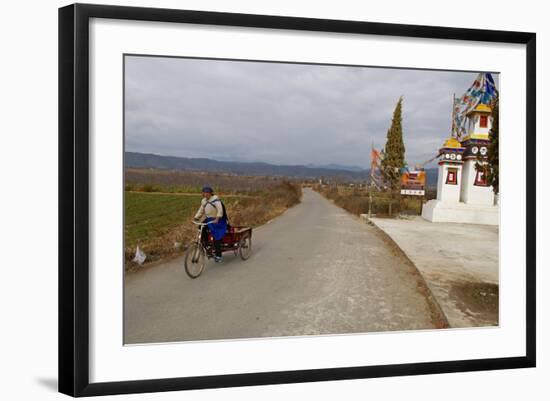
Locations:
(283, 113)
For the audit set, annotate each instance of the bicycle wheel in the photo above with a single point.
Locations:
(195, 259)
(245, 246)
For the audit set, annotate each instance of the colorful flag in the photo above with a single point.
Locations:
(482, 91)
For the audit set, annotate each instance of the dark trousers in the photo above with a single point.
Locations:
(217, 243)
(218, 248)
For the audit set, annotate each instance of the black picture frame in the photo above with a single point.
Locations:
(74, 198)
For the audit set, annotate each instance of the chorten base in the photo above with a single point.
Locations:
(458, 212)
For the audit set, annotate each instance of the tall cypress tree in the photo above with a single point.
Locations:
(394, 152)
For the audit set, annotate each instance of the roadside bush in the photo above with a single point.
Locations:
(147, 188)
(259, 210)
(357, 202)
(287, 193)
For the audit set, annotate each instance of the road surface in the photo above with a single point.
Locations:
(316, 269)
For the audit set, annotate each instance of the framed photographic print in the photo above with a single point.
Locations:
(251, 199)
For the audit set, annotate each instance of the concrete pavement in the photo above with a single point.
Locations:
(459, 263)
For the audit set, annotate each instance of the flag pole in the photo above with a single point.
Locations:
(453, 131)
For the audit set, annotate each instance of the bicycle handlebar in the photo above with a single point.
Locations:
(198, 223)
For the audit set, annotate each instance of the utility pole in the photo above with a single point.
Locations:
(370, 203)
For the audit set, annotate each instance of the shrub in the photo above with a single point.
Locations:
(148, 188)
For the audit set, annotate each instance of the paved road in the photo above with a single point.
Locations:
(314, 270)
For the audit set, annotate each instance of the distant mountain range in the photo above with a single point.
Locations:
(329, 171)
(337, 167)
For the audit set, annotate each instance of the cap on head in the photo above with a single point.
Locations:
(208, 190)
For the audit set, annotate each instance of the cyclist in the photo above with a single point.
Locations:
(214, 210)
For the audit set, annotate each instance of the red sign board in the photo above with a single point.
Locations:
(413, 183)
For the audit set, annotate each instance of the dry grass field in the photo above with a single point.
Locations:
(152, 180)
(356, 200)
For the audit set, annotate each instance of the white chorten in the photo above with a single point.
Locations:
(449, 175)
(463, 193)
(475, 189)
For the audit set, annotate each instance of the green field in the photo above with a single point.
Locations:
(150, 215)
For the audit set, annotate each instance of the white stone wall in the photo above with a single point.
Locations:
(475, 129)
(472, 194)
(447, 192)
(442, 212)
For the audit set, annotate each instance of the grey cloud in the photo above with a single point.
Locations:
(282, 113)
